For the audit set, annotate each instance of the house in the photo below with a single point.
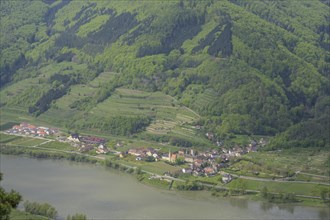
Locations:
(86, 148)
(187, 170)
(226, 178)
(222, 165)
(93, 140)
(119, 144)
(181, 152)
(24, 124)
(101, 149)
(16, 127)
(189, 159)
(169, 157)
(166, 157)
(31, 127)
(209, 171)
(135, 152)
(173, 157)
(74, 138)
(41, 133)
(192, 153)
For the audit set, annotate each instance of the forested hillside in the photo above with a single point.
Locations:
(245, 67)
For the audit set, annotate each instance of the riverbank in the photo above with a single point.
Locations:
(16, 214)
(106, 193)
(164, 182)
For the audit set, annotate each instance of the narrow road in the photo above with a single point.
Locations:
(277, 180)
(309, 174)
(43, 143)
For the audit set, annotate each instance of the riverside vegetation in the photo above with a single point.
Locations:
(171, 72)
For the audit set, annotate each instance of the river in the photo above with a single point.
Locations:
(103, 193)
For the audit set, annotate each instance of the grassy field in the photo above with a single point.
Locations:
(161, 184)
(31, 141)
(27, 141)
(20, 141)
(5, 138)
(306, 160)
(20, 215)
(286, 187)
(57, 145)
(312, 178)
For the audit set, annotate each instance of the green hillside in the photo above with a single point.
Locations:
(158, 68)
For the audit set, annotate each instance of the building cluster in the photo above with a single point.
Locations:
(88, 143)
(202, 163)
(32, 130)
(144, 153)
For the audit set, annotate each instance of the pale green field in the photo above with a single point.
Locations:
(29, 142)
(57, 145)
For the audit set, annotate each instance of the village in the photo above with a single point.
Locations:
(191, 161)
(32, 130)
(87, 143)
(196, 163)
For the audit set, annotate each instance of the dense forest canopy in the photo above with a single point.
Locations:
(264, 64)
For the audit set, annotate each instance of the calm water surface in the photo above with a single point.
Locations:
(101, 193)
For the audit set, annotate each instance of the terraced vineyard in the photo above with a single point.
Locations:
(204, 99)
(169, 118)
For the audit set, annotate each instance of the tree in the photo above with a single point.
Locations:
(8, 201)
(264, 192)
(323, 194)
(43, 209)
(150, 159)
(138, 170)
(77, 216)
(179, 161)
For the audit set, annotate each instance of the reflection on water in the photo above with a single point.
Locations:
(289, 208)
(265, 206)
(324, 214)
(239, 203)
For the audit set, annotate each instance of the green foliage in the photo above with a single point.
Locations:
(180, 142)
(248, 67)
(118, 125)
(238, 187)
(76, 216)
(8, 201)
(190, 186)
(278, 198)
(43, 209)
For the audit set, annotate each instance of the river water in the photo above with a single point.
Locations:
(102, 193)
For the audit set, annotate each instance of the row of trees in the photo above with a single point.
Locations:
(116, 165)
(281, 197)
(190, 186)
